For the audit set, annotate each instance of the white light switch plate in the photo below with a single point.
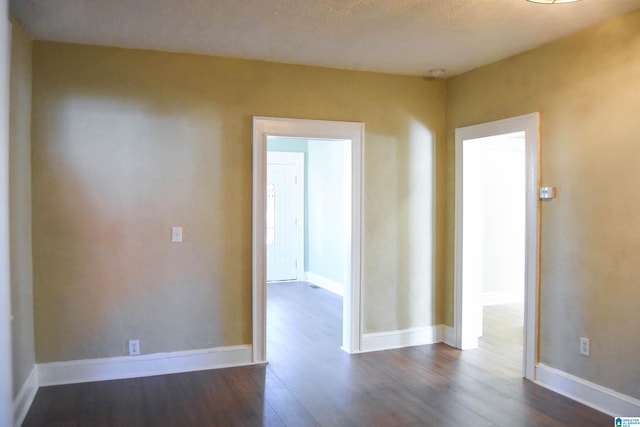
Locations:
(176, 234)
(547, 193)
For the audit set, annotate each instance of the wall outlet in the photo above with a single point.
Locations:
(134, 347)
(585, 346)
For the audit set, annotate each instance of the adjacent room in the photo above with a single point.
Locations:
(279, 212)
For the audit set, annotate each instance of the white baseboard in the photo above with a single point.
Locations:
(401, 338)
(596, 396)
(448, 335)
(324, 282)
(78, 371)
(24, 399)
(495, 298)
(578, 389)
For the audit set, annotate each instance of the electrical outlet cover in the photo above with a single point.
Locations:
(134, 347)
(585, 346)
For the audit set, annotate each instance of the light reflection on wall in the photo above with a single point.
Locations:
(399, 231)
(421, 224)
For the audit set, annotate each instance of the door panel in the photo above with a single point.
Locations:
(281, 226)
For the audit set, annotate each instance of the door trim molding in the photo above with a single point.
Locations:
(6, 371)
(530, 123)
(352, 302)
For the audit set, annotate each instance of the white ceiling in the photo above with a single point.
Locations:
(393, 36)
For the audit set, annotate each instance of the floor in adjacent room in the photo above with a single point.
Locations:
(310, 381)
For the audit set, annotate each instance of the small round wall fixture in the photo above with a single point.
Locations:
(552, 1)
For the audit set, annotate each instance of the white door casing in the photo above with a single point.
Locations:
(464, 304)
(6, 385)
(284, 216)
(352, 300)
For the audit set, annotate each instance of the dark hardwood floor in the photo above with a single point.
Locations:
(310, 381)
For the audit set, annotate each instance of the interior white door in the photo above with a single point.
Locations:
(281, 212)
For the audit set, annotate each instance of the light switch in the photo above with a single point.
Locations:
(176, 234)
(547, 193)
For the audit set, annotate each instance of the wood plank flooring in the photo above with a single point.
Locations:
(310, 381)
(502, 335)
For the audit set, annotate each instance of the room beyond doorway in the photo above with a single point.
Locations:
(264, 127)
(494, 199)
(497, 167)
(303, 320)
(308, 211)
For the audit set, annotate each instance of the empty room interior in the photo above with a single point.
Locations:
(285, 212)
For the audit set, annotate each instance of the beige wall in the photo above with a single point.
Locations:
(586, 88)
(128, 143)
(20, 207)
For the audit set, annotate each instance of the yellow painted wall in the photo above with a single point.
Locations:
(128, 143)
(587, 90)
(21, 273)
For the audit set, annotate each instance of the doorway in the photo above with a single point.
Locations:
(264, 128)
(497, 228)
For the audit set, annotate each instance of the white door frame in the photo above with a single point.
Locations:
(6, 384)
(296, 159)
(530, 124)
(352, 302)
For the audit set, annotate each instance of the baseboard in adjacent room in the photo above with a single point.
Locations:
(23, 400)
(596, 396)
(401, 338)
(324, 282)
(498, 298)
(78, 371)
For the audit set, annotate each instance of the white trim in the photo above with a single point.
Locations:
(596, 396)
(530, 124)
(352, 305)
(448, 335)
(24, 399)
(112, 368)
(402, 338)
(6, 370)
(325, 283)
(498, 298)
(258, 255)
